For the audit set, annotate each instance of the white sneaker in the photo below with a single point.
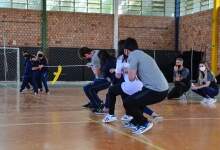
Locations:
(211, 101)
(126, 118)
(144, 128)
(204, 101)
(109, 118)
(157, 119)
(183, 99)
(130, 126)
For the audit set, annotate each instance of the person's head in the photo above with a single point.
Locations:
(203, 66)
(130, 45)
(33, 57)
(26, 54)
(85, 53)
(179, 62)
(121, 45)
(40, 55)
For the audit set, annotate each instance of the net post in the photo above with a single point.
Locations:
(18, 68)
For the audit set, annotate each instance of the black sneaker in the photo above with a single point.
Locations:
(99, 112)
(87, 105)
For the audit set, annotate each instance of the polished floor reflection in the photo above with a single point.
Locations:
(57, 122)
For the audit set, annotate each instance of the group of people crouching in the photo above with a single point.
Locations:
(35, 72)
(136, 77)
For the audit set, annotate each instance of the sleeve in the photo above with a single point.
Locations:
(185, 74)
(96, 62)
(174, 74)
(119, 66)
(210, 77)
(133, 62)
(45, 62)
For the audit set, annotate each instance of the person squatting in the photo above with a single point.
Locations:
(129, 78)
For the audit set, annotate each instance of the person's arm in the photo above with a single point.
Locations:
(96, 71)
(195, 87)
(207, 83)
(43, 64)
(36, 68)
(132, 69)
(118, 69)
(132, 74)
(176, 75)
(96, 66)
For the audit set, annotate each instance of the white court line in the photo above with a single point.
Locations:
(138, 138)
(196, 118)
(45, 123)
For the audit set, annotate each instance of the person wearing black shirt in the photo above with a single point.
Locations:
(43, 63)
(181, 78)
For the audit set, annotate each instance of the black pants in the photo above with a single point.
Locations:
(91, 90)
(113, 92)
(136, 103)
(178, 90)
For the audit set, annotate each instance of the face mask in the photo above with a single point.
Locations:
(40, 55)
(202, 69)
(26, 55)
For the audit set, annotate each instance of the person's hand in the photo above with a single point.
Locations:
(89, 65)
(175, 68)
(178, 78)
(41, 66)
(194, 87)
(125, 70)
(112, 70)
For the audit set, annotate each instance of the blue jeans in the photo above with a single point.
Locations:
(25, 82)
(43, 78)
(91, 90)
(35, 78)
(207, 92)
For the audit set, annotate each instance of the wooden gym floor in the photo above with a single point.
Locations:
(58, 122)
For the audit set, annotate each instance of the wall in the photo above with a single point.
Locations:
(195, 32)
(156, 33)
(79, 29)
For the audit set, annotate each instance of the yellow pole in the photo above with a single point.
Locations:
(214, 52)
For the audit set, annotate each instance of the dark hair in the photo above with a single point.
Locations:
(104, 56)
(26, 54)
(82, 51)
(121, 45)
(40, 55)
(24, 51)
(203, 62)
(179, 58)
(130, 44)
(32, 56)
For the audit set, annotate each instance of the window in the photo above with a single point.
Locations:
(147, 7)
(90, 6)
(193, 6)
(22, 4)
(5, 4)
(87, 6)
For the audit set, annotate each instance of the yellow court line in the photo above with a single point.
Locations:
(137, 138)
